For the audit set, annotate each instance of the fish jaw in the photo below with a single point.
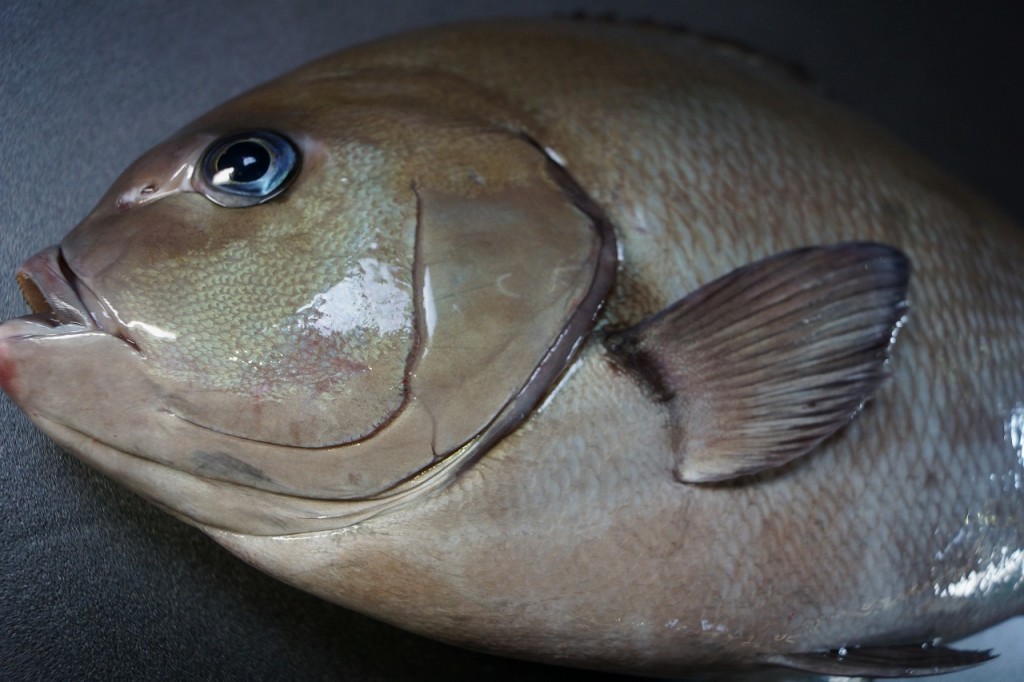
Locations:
(86, 389)
(84, 384)
(59, 312)
(114, 417)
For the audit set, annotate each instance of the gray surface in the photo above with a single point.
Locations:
(98, 584)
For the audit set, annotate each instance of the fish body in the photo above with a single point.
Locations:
(472, 365)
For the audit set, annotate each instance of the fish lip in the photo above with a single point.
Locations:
(47, 284)
(60, 301)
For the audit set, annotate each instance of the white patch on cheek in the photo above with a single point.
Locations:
(368, 298)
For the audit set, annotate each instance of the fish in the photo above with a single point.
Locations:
(594, 345)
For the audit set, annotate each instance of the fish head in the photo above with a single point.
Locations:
(307, 298)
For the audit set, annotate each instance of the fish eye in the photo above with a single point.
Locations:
(245, 169)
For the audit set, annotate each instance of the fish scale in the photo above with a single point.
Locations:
(558, 464)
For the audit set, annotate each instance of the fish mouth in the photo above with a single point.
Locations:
(50, 289)
(60, 302)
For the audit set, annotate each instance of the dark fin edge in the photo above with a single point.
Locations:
(890, 661)
(741, 50)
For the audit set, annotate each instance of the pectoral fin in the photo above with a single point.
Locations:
(761, 365)
(893, 661)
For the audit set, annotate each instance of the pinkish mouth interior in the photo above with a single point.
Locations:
(33, 297)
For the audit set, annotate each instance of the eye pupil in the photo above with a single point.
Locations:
(247, 161)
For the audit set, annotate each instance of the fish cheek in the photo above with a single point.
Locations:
(284, 322)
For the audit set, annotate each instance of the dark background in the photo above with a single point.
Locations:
(97, 584)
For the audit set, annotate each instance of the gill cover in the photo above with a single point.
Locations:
(508, 280)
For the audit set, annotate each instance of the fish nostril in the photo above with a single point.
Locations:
(33, 296)
(136, 196)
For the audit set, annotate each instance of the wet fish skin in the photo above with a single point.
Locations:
(761, 173)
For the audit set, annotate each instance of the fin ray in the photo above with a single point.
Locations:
(761, 365)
